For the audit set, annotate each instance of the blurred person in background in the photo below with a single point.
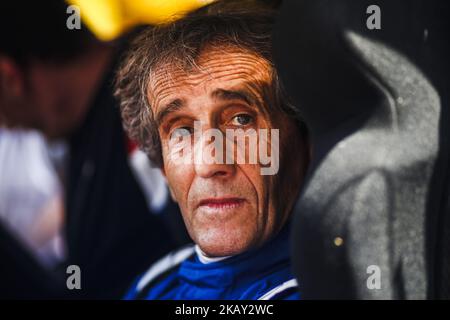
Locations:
(117, 217)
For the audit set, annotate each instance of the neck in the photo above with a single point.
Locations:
(205, 259)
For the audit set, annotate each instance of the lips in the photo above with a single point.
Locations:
(221, 203)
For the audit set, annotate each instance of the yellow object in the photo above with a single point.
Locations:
(108, 19)
(338, 241)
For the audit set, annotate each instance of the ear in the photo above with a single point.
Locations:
(12, 84)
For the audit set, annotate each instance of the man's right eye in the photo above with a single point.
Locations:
(180, 132)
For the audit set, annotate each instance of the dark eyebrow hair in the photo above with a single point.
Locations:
(167, 109)
(235, 95)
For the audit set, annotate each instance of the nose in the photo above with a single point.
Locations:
(210, 160)
(206, 170)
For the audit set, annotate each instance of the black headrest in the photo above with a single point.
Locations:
(373, 100)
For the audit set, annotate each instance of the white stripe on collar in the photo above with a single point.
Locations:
(284, 286)
(205, 259)
(165, 263)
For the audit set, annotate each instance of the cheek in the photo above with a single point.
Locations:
(54, 106)
(293, 162)
(43, 90)
(179, 177)
(260, 184)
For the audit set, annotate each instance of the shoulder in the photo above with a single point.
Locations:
(159, 270)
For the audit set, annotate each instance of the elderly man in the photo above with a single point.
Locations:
(213, 71)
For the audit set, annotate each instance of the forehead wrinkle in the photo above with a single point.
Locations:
(160, 83)
(243, 62)
(212, 72)
(230, 74)
(234, 94)
(215, 61)
(223, 55)
(246, 70)
(229, 65)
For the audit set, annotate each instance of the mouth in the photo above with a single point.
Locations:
(223, 203)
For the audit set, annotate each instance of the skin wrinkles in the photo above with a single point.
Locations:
(229, 82)
(239, 64)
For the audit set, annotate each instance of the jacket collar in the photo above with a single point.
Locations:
(243, 267)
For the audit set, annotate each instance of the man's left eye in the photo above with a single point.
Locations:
(242, 119)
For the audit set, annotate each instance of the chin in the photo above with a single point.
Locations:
(222, 242)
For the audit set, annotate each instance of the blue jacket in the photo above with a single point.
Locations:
(263, 274)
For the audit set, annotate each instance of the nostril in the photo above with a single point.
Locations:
(214, 170)
(220, 173)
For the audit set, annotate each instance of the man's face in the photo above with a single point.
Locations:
(51, 97)
(47, 98)
(227, 208)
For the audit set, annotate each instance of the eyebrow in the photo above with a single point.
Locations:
(167, 109)
(222, 94)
